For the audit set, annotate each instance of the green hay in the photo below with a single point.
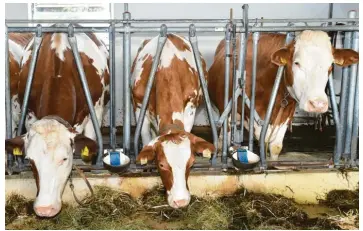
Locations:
(110, 209)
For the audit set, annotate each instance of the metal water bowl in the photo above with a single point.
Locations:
(116, 161)
(244, 159)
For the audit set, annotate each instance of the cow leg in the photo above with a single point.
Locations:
(274, 141)
(89, 131)
(189, 116)
(145, 129)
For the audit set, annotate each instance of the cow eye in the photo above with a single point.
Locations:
(161, 165)
(297, 63)
(64, 159)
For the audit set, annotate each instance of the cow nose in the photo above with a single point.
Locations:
(318, 105)
(181, 203)
(46, 211)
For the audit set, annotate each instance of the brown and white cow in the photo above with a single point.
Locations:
(17, 44)
(58, 112)
(308, 61)
(175, 95)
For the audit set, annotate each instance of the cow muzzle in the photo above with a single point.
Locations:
(47, 211)
(179, 202)
(317, 105)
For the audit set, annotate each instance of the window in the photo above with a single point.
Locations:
(73, 11)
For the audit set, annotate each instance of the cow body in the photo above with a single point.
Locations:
(17, 44)
(308, 62)
(58, 113)
(175, 95)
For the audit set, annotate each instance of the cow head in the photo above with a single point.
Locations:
(308, 63)
(174, 156)
(49, 146)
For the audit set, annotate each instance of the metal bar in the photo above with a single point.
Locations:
(351, 95)
(289, 38)
(24, 109)
(184, 29)
(126, 82)
(112, 86)
(255, 38)
(234, 86)
(354, 143)
(145, 101)
(201, 20)
(345, 85)
(59, 29)
(73, 42)
(126, 7)
(194, 42)
(242, 65)
(228, 108)
(338, 126)
(226, 91)
(8, 108)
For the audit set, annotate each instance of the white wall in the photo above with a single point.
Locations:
(207, 44)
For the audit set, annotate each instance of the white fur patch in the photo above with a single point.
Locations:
(177, 116)
(16, 50)
(27, 52)
(177, 156)
(189, 115)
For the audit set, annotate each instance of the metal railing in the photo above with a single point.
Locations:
(346, 133)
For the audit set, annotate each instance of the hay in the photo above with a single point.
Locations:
(110, 209)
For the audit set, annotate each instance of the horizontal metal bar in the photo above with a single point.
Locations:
(201, 20)
(59, 29)
(183, 29)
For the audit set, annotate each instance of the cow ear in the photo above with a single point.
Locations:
(280, 57)
(201, 146)
(85, 147)
(15, 145)
(147, 154)
(345, 57)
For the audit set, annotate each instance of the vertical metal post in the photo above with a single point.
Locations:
(255, 38)
(8, 109)
(354, 143)
(111, 32)
(73, 42)
(234, 86)
(242, 65)
(289, 38)
(338, 125)
(24, 108)
(126, 82)
(145, 101)
(351, 95)
(194, 42)
(345, 84)
(226, 92)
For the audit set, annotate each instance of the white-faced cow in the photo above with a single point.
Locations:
(308, 61)
(175, 95)
(17, 44)
(58, 112)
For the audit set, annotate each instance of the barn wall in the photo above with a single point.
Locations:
(207, 44)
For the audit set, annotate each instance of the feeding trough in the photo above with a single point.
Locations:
(242, 158)
(116, 161)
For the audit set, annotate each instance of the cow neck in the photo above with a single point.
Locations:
(171, 127)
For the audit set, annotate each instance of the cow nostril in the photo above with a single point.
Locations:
(181, 203)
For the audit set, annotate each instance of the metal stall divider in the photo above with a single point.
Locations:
(280, 71)
(194, 42)
(354, 144)
(351, 94)
(227, 56)
(126, 80)
(112, 103)
(24, 109)
(145, 101)
(344, 92)
(73, 42)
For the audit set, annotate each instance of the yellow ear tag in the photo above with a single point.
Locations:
(339, 61)
(283, 61)
(85, 151)
(17, 152)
